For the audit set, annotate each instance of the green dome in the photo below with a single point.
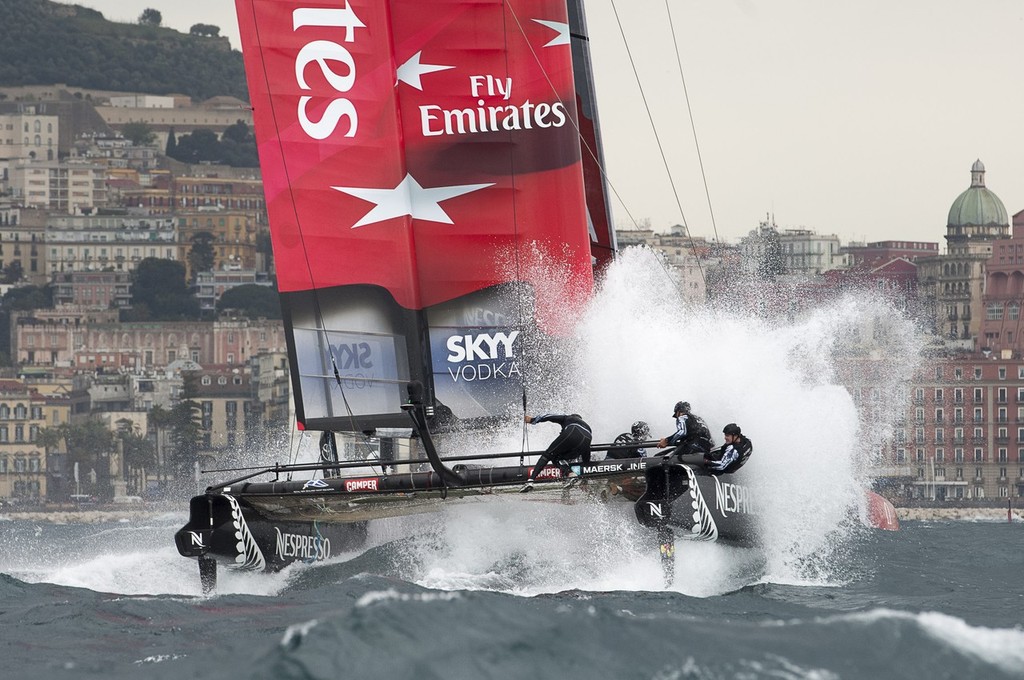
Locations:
(977, 206)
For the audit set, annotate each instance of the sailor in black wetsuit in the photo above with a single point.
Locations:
(731, 455)
(692, 434)
(572, 442)
(628, 441)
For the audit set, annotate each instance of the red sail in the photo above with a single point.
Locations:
(417, 156)
(414, 145)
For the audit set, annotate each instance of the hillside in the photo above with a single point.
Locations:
(43, 42)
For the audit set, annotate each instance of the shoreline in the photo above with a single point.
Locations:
(961, 514)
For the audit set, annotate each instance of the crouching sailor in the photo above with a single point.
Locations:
(572, 442)
(730, 456)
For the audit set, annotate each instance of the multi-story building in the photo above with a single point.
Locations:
(234, 234)
(27, 133)
(108, 242)
(211, 285)
(805, 252)
(90, 339)
(1003, 295)
(227, 408)
(951, 285)
(22, 461)
(53, 337)
(271, 387)
(101, 289)
(880, 252)
(22, 231)
(962, 436)
(72, 186)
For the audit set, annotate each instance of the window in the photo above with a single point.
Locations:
(958, 455)
(977, 374)
(938, 372)
(958, 373)
(1001, 395)
(920, 456)
(940, 455)
(1002, 373)
(939, 415)
(979, 456)
(977, 394)
(1002, 457)
(938, 395)
(206, 380)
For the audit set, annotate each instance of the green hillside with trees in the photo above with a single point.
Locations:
(43, 42)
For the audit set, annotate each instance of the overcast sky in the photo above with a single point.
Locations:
(860, 118)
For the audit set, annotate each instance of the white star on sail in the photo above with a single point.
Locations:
(562, 29)
(408, 198)
(410, 72)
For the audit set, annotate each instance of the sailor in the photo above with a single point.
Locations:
(637, 434)
(731, 455)
(572, 442)
(692, 435)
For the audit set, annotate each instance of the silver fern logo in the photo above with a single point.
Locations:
(249, 554)
(704, 528)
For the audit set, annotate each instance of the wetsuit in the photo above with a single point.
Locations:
(730, 457)
(625, 440)
(691, 436)
(572, 442)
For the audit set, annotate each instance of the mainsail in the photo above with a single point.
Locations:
(421, 162)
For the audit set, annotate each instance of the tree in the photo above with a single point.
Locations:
(88, 443)
(159, 292)
(138, 132)
(185, 440)
(13, 272)
(150, 17)
(28, 297)
(138, 452)
(160, 420)
(252, 301)
(201, 255)
(172, 144)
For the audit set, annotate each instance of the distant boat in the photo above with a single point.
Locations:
(429, 168)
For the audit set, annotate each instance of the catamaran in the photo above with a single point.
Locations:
(430, 169)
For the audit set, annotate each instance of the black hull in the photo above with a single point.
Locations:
(266, 526)
(694, 505)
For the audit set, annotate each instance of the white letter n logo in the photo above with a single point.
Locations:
(656, 510)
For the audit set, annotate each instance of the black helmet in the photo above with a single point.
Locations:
(640, 430)
(731, 428)
(683, 406)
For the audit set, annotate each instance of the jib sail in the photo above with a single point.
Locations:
(421, 160)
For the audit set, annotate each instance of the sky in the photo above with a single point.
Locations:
(859, 119)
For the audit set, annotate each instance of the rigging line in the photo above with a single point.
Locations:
(302, 239)
(693, 124)
(597, 161)
(519, 286)
(575, 125)
(661, 148)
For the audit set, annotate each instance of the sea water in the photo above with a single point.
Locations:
(520, 588)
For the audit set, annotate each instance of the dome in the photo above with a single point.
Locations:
(977, 206)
